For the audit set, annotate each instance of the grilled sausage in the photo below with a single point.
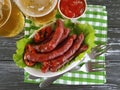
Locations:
(60, 61)
(46, 65)
(39, 57)
(28, 62)
(65, 34)
(49, 46)
(42, 34)
(80, 50)
(27, 50)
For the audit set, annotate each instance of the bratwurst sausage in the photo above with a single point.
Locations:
(28, 49)
(46, 65)
(42, 34)
(42, 57)
(61, 60)
(49, 46)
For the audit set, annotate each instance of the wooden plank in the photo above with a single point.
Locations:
(11, 77)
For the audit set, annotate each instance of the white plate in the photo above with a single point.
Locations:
(38, 73)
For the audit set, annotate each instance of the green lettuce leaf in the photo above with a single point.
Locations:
(18, 56)
(89, 34)
(86, 29)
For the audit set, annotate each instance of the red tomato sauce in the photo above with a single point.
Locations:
(72, 8)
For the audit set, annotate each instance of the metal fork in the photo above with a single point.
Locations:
(89, 66)
(98, 50)
(92, 66)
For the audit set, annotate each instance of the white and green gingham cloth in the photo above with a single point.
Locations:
(96, 16)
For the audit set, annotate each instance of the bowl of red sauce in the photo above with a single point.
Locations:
(72, 9)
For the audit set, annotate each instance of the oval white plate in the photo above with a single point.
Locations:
(38, 73)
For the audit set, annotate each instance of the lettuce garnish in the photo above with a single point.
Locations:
(18, 56)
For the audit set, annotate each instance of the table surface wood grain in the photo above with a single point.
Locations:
(11, 77)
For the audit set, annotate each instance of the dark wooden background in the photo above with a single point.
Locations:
(11, 77)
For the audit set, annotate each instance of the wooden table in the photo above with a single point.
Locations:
(11, 77)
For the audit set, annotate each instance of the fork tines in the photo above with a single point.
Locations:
(100, 49)
(95, 66)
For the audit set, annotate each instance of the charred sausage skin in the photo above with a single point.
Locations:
(28, 49)
(60, 61)
(42, 34)
(46, 65)
(49, 46)
(38, 57)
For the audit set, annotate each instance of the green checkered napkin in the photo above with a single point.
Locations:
(97, 17)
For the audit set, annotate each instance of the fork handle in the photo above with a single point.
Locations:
(49, 81)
